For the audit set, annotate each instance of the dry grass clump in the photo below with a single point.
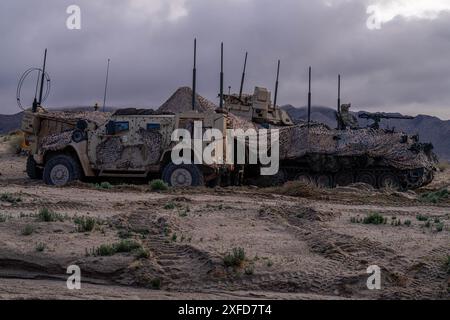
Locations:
(296, 189)
(15, 142)
(443, 166)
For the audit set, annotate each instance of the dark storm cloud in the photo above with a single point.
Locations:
(402, 67)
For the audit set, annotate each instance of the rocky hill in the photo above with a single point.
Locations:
(181, 101)
(10, 123)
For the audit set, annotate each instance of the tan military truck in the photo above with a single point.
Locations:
(130, 143)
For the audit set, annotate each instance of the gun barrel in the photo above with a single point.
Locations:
(383, 116)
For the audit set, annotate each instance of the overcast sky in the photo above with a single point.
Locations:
(394, 55)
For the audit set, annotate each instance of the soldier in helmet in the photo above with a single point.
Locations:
(346, 119)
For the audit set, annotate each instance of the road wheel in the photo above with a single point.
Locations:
(32, 169)
(344, 179)
(279, 178)
(183, 175)
(304, 178)
(324, 181)
(389, 181)
(367, 177)
(60, 170)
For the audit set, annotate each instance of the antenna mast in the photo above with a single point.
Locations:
(106, 86)
(276, 86)
(194, 74)
(221, 76)
(309, 98)
(41, 90)
(339, 102)
(243, 76)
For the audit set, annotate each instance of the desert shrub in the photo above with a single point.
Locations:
(40, 247)
(435, 197)
(46, 215)
(105, 250)
(183, 213)
(440, 227)
(85, 224)
(249, 270)
(234, 258)
(103, 186)
(374, 218)
(3, 217)
(7, 197)
(408, 223)
(126, 245)
(27, 230)
(166, 231)
(422, 217)
(174, 237)
(158, 185)
(156, 283)
(142, 253)
(169, 206)
(15, 143)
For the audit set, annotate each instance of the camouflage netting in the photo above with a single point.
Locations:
(55, 142)
(392, 148)
(114, 154)
(237, 122)
(96, 117)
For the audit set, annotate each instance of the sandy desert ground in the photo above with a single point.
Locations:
(299, 242)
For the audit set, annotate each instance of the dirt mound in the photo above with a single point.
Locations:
(181, 101)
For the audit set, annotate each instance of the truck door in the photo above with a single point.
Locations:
(118, 149)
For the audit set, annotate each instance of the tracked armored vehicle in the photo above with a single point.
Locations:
(326, 157)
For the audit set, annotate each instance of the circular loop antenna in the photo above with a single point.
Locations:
(22, 80)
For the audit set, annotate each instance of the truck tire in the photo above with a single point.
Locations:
(183, 175)
(60, 170)
(33, 171)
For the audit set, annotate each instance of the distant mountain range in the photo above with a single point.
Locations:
(429, 129)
